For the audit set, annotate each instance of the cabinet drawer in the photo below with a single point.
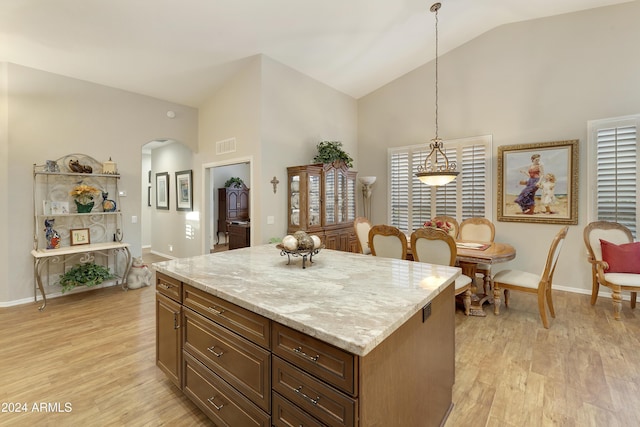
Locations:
(329, 363)
(169, 286)
(245, 323)
(221, 403)
(286, 414)
(241, 363)
(315, 397)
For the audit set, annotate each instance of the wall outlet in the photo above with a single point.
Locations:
(271, 220)
(134, 219)
(170, 248)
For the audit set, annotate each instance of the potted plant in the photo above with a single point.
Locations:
(331, 151)
(234, 182)
(83, 195)
(89, 274)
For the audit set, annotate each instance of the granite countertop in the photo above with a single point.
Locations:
(351, 301)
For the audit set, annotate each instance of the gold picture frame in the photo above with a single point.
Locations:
(79, 236)
(538, 182)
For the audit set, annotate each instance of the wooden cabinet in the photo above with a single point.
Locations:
(243, 369)
(322, 201)
(239, 236)
(168, 327)
(233, 205)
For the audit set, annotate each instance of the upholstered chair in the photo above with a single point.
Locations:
(438, 247)
(362, 225)
(387, 241)
(523, 281)
(478, 229)
(614, 259)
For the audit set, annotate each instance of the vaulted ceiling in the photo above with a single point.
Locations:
(182, 50)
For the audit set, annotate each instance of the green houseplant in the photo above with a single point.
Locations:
(234, 182)
(331, 151)
(89, 274)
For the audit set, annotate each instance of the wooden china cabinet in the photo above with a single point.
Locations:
(233, 205)
(322, 201)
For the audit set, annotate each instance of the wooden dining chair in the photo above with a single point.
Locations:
(453, 223)
(618, 267)
(387, 241)
(438, 247)
(479, 229)
(529, 282)
(362, 225)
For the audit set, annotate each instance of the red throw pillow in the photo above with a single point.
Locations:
(623, 258)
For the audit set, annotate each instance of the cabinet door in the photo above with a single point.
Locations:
(330, 197)
(313, 200)
(168, 353)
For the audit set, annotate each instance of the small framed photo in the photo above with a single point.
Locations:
(162, 190)
(184, 191)
(79, 236)
(538, 182)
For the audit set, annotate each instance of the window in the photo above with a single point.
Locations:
(412, 202)
(613, 161)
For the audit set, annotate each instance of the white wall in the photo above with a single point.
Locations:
(4, 184)
(146, 186)
(527, 82)
(49, 116)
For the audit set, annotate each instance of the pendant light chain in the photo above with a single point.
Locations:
(436, 7)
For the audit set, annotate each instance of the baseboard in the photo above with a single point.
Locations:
(162, 255)
(53, 295)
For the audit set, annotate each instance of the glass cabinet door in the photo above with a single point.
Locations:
(351, 197)
(294, 202)
(341, 195)
(314, 200)
(330, 197)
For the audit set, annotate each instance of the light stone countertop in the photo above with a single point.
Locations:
(351, 301)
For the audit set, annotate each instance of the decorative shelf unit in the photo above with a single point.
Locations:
(233, 205)
(322, 201)
(102, 226)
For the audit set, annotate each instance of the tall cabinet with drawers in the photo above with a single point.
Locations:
(322, 201)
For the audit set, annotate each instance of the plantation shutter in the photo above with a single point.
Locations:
(412, 202)
(616, 175)
(399, 183)
(474, 181)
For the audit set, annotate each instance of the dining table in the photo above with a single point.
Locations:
(469, 255)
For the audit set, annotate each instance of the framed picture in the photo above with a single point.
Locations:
(79, 236)
(162, 190)
(184, 190)
(538, 182)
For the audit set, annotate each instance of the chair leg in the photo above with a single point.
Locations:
(507, 293)
(617, 304)
(634, 296)
(496, 299)
(595, 287)
(542, 309)
(550, 302)
(467, 302)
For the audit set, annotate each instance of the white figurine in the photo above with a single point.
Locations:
(139, 275)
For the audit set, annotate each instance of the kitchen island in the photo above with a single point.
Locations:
(352, 340)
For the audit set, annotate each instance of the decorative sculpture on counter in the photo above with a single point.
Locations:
(52, 236)
(139, 275)
(108, 205)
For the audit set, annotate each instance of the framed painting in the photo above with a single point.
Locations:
(79, 236)
(538, 182)
(184, 190)
(162, 190)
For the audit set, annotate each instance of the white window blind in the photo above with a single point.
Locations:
(615, 142)
(412, 202)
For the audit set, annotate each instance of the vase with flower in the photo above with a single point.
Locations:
(83, 195)
(440, 225)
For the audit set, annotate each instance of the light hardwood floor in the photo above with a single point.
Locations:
(96, 350)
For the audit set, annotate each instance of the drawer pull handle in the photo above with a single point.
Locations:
(215, 311)
(211, 349)
(163, 286)
(210, 400)
(176, 325)
(305, 355)
(314, 401)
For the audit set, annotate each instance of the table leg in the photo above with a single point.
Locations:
(477, 299)
(37, 268)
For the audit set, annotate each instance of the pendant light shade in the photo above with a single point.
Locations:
(437, 170)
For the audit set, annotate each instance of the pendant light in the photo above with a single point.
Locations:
(437, 170)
